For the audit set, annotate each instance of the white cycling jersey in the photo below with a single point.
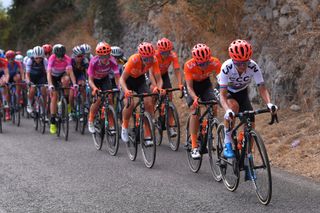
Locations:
(229, 77)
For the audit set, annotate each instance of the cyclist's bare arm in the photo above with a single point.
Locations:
(91, 83)
(158, 79)
(7, 75)
(190, 89)
(49, 77)
(71, 74)
(223, 98)
(123, 80)
(264, 93)
(178, 76)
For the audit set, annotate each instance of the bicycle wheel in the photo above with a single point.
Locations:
(98, 136)
(65, 119)
(17, 109)
(132, 144)
(174, 140)
(42, 115)
(148, 150)
(158, 127)
(229, 167)
(36, 114)
(259, 169)
(1, 114)
(212, 150)
(194, 164)
(82, 116)
(112, 132)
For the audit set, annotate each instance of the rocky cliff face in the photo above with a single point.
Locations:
(284, 33)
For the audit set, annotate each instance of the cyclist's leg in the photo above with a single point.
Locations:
(17, 79)
(53, 104)
(65, 81)
(35, 80)
(167, 85)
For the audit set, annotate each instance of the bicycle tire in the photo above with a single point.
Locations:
(98, 135)
(112, 139)
(65, 119)
(132, 144)
(194, 164)
(230, 172)
(148, 151)
(212, 149)
(158, 132)
(42, 115)
(174, 144)
(264, 194)
(83, 115)
(36, 114)
(17, 111)
(12, 107)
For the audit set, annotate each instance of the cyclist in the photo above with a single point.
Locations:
(133, 79)
(36, 74)
(234, 78)
(87, 50)
(118, 53)
(59, 70)
(16, 72)
(101, 67)
(79, 67)
(197, 73)
(4, 79)
(166, 56)
(47, 48)
(29, 54)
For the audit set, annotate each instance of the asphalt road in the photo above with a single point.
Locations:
(43, 173)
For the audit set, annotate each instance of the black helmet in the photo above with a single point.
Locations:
(59, 50)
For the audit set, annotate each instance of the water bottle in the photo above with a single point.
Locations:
(240, 140)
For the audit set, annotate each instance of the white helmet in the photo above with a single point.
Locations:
(30, 53)
(116, 51)
(86, 48)
(78, 50)
(38, 52)
(19, 58)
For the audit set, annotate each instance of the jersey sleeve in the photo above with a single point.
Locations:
(90, 68)
(257, 74)
(50, 62)
(223, 77)
(175, 60)
(69, 64)
(45, 63)
(28, 65)
(155, 66)
(188, 67)
(217, 65)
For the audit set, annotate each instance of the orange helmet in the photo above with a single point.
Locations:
(10, 54)
(103, 48)
(240, 50)
(146, 49)
(201, 53)
(164, 44)
(47, 48)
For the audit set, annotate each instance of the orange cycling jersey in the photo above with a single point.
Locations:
(165, 63)
(193, 72)
(134, 66)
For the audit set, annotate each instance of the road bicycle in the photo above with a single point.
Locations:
(167, 118)
(106, 123)
(140, 121)
(250, 156)
(206, 139)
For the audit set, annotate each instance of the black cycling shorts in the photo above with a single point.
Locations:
(242, 97)
(138, 85)
(38, 79)
(166, 81)
(103, 84)
(56, 80)
(203, 89)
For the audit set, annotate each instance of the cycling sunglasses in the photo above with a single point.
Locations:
(80, 56)
(240, 63)
(165, 53)
(37, 58)
(147, 59)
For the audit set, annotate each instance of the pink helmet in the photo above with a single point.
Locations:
(240, 50)
(146, 49)
(201, 53)
(164, 44)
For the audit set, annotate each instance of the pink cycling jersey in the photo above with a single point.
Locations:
(97, 70)
(57, 66)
